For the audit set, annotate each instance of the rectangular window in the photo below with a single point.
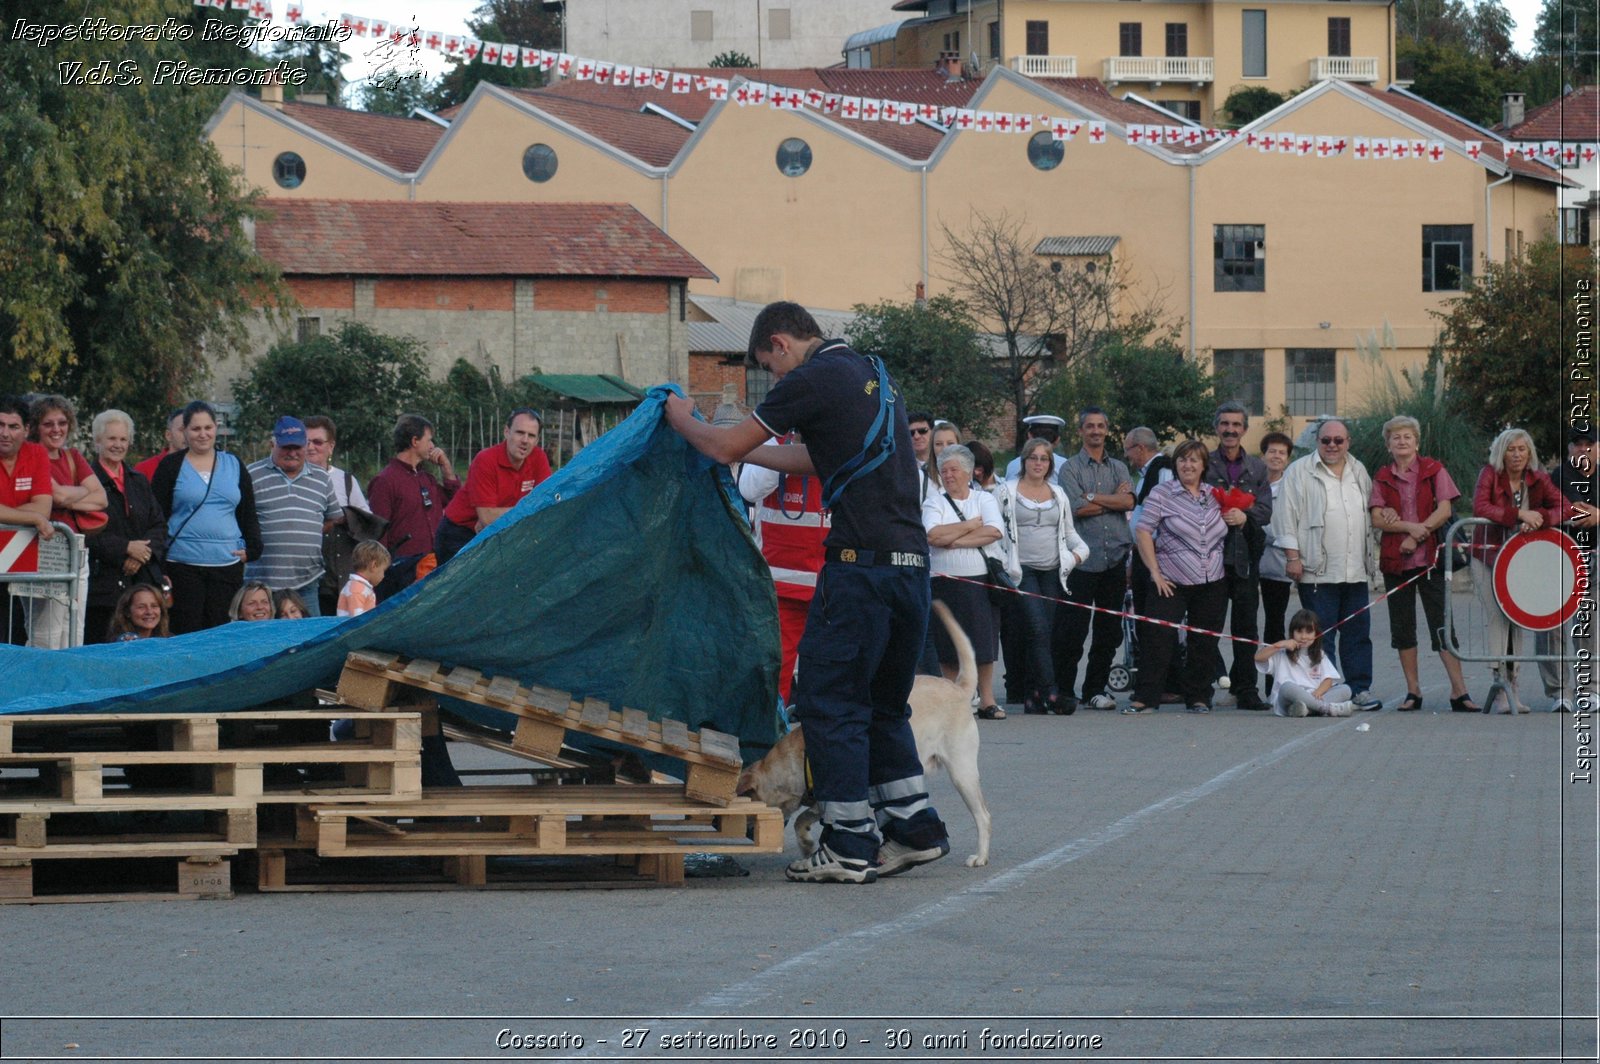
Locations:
(1309, 376)
(994, 40)
(1446, 257)
(1339, 36)
(1239, 252)
(778, 24)
(307, 329)
(1575, 226)
(757, 383)
(1130, 39)
(1177, 39)
(1243, 377)
(1189, 109)
(1255, 44)
(700, 26)
(1038, 36)
(952, 42)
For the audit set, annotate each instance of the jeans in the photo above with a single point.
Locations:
(1039, 621)
(858, 659)
(308, 595)
(1349, 645)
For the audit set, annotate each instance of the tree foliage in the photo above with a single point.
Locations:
(1568, 32)
(123, 257)
(1048, 319)
(731, 60)
(361, 378)
(1509, 334)
(1245, 104)
(1453, 77)
(1139, 376)
(517, 22)
(936, 354)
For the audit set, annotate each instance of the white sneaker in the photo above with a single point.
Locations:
(1295, 709)
(1340, 709)
(1561, 705)
(1224, 699)
(825, 866)
(896, 857)
(1102, 701)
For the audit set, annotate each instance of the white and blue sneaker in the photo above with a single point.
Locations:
(825, 866)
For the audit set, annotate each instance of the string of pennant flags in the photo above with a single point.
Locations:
(398, 36)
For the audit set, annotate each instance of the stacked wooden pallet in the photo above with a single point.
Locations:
(180, 791)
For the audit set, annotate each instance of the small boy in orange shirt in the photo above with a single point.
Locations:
(368, 562)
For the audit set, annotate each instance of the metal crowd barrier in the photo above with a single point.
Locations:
(1467, 636)
(59, 573)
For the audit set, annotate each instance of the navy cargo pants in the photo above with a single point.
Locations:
(858, 659)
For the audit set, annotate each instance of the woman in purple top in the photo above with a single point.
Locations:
(1179, 537)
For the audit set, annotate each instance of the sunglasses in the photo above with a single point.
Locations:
(1333, 441)
(427, 496)
(920, 432)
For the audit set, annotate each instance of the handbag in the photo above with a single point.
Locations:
(339, 543)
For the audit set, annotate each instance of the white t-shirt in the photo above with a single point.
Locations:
(959, 561)
(1292, 666)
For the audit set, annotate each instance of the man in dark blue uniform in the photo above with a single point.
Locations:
(865, 630)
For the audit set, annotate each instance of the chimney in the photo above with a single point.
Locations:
(1511, 110)
(950, 63)
(272, 93)
(922, 294)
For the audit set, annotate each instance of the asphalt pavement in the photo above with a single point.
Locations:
(1417, 886)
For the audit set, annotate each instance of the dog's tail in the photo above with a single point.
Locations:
(966, 660)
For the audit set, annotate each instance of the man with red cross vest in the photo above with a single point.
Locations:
(790, 525)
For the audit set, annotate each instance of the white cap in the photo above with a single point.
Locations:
(1045, 419)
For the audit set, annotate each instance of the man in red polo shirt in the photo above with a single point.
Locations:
(497, 480)
(24, 494)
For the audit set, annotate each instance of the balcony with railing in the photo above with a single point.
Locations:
(1160, 69)
(1344, 68)
(1045, 66)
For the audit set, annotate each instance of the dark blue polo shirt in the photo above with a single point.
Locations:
(832, 398)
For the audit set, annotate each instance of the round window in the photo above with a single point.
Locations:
(794, 157)
(288, 170)
(1044, 151)
(539, 163)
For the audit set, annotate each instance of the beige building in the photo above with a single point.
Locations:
(1277, 262)
(1185, 56)
(690, 33)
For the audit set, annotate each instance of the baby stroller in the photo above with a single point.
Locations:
(1125, 672)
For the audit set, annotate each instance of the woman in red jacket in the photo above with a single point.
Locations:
(1515, 495)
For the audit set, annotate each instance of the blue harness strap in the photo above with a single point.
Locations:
(875, 449)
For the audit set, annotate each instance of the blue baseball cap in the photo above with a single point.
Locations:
(289, 432)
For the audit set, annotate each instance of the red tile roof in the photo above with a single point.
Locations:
(650, 138)
(402, 143)
(365, 238)
(1575, 116)
(1459, 130)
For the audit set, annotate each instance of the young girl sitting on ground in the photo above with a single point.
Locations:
(1304, 681)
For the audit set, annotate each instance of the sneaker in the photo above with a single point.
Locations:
(1134, 708)
(1225, 699)
(1102, 701)
(1344, 709)
(825, 866)
(896, 857)
(1199, 707)
(1295, 709)
(1561, 705)
(1366, 703)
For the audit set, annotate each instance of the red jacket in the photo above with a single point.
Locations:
(1387, 483)
(1492, 499)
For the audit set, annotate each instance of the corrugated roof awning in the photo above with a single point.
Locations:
(876, 35)
(1076, 245)
(587, 387)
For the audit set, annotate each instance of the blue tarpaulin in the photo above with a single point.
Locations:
(628, 576)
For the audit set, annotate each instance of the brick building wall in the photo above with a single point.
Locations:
(623, 326)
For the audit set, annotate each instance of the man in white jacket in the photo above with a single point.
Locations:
(1321, 521)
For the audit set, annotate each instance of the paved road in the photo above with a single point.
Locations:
(1179, 887)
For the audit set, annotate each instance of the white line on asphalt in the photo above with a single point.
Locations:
(787, 974)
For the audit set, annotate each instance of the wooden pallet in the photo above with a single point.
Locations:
(41, 828)
(109, 872)
(537, 821)
(264, 756)
(374, 680)
(287, 866)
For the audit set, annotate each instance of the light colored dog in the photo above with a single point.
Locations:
(946, 733)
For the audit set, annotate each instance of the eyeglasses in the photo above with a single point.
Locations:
(920, 432)
(1333, 441)
(427, 496)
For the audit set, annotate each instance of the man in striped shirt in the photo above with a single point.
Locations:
(296, 504)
